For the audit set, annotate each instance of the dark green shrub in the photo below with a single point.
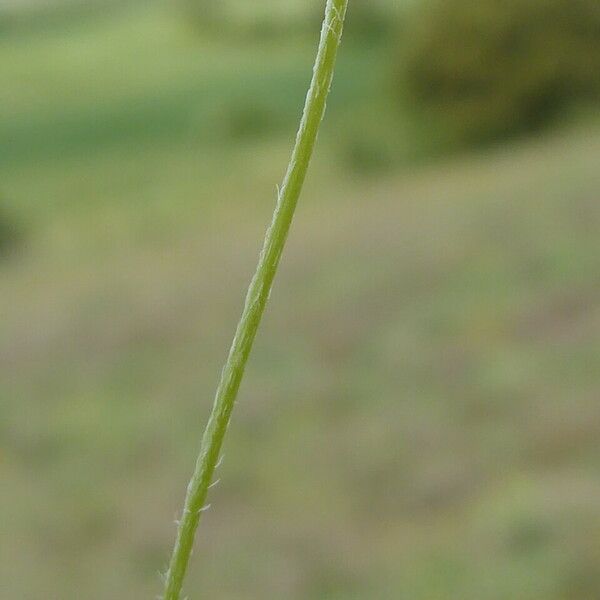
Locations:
(491, 68)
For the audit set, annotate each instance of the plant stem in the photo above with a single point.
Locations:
(257, 296)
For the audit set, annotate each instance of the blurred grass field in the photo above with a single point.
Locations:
(420, 418)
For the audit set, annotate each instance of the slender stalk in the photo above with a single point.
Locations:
(257, 296)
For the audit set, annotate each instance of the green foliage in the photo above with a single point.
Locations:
(492, 68)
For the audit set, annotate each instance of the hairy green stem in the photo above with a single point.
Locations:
(257, 296)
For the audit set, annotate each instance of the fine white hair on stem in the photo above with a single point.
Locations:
(257, 296)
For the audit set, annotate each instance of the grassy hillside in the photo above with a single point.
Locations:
(420, 418)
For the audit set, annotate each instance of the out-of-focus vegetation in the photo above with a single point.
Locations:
(493, 68)
(420, 420)
(264, 17)
(11, 234)
(237, 17)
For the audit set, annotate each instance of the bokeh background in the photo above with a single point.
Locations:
(420, 419)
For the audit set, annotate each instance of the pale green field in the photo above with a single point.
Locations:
(420, 418)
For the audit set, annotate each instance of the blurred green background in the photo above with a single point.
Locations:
(421, 417)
